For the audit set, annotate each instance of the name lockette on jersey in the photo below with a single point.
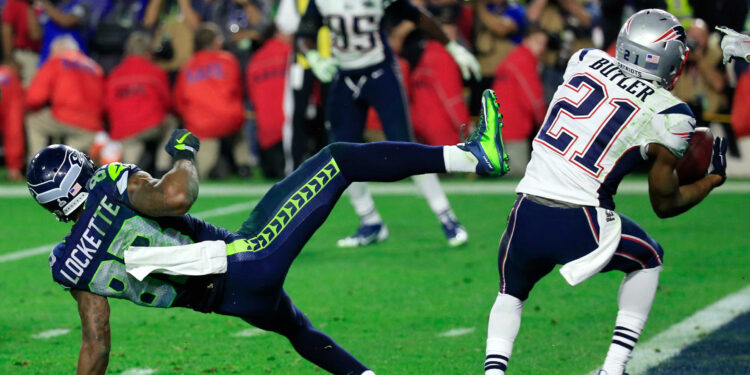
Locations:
(632, 85)
(91, 239)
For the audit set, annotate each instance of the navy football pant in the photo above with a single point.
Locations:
(539, 237)
(351, 96)
(285, 219)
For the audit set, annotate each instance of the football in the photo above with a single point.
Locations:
(693, 165)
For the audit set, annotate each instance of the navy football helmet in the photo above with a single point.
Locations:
(57, 178)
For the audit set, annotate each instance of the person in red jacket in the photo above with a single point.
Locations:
(11, 122)
(66, 98)
(437, 106)
(138, 101)
(520, 91)
(740, 167)
(208, 97)
(266, 83)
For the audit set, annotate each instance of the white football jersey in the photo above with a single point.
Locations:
(597, 129)
(357, 41)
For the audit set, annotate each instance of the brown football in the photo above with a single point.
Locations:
(693, 165)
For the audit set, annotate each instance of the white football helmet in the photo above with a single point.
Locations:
(651, 45)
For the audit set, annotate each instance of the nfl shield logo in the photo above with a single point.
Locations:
(652, 62)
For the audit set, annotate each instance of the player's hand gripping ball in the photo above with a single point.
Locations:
(693, 165)
(183, 144)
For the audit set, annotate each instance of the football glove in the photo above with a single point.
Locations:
(719, 158)
(324, 68)
(183, 144)
(465, 60)
(734, 44)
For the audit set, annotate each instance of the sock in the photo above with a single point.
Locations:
(429, 185)
(364, 206)
(458, 160)
(505, 321)
(635, 298)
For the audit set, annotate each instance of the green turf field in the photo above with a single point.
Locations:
(388, 304)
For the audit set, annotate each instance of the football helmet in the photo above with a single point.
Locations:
(652, 45)
(57, 177)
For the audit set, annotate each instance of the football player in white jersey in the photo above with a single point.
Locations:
(610, 115)
(364, 73)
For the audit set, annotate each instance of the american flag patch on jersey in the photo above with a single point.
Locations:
(652, 61)
(75, 189)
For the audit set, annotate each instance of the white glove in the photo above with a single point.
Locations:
(465, 60)
(324, 68)
(734, 44)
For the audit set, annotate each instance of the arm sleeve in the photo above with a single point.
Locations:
(402, 9)
(40, 89)
(311, 21)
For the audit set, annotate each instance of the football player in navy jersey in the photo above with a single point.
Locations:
(131, 237)
(364, 73)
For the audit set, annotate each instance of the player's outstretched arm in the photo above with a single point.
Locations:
(668, 198)
(177, 190)
(95, 334)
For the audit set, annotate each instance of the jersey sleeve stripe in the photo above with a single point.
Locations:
(681, 108)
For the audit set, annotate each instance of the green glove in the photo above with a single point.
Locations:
(324, 68)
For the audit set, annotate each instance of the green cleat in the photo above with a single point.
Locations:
(486, 143)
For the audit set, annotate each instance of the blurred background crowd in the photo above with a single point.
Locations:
(114, 77)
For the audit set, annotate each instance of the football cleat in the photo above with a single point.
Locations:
(366, 235)
(455, 233)
(602, 372)
(486, 143)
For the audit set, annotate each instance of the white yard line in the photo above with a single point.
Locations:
(669, 343)
(457, 332)
(45, 249)
(139, 371)
(51, 333)
(450, 187)
(250, 332)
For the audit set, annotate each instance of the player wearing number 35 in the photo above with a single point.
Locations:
(132, 240)
(610, 115)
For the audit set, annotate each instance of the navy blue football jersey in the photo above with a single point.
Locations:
(91, 257)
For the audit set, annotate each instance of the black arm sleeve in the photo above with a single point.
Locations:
(310, 23)
(402, 9)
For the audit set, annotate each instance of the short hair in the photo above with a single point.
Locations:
(138, 43)
(64, 42)
(206, 35)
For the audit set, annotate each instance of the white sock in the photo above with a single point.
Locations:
(505, 321)
(429, 185)
(368, 372)
(458, 160)
(364, 206)
(635, 298)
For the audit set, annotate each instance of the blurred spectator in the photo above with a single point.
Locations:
(66, 97)
(22, 36)
(174, 22)
(437, 101)
(740, 167)
(730, 13)
(500, 25)
(11, 122)
(114, 21)
(703, 79)
(66, 17)
(138, 102)
(519, 89)
(266, 88)
(208, 96)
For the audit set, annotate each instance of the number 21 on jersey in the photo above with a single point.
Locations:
(594, 102)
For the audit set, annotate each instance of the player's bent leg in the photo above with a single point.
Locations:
(640, 257)
(311, 344)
